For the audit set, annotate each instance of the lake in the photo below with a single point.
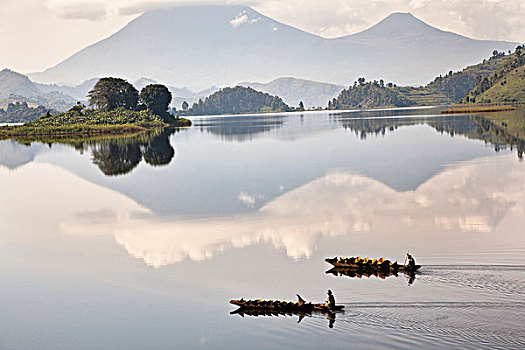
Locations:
(140, 242)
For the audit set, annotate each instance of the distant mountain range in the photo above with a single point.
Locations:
(292, 91)
(12, 83)
(16, 87)
(200, 46)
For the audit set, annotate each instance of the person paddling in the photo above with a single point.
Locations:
(411, 261)
(331, 300)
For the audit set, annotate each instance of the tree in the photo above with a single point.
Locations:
(78, 108)
(301, 106)
(361, 81)
(238, 100)
(185, 105)
(156, 98)
(110, 93)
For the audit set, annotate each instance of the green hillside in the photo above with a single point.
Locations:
(91, 122)
(424, 96)
(370, 94)
(443, 90)
(505, 85)
(237, 100)
(456, 85)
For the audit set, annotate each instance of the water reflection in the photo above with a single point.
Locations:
(14, 154)
(301, 315)
(116, 155)
(334, 199)
(121, 155)
(493, 129)
(358, 273)
(240, 129)
(465, 198)
(486, 127)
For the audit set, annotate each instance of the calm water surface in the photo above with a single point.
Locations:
(140, 242)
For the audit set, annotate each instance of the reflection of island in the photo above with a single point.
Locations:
(121, 155)
(240, 129)
(464, 198)
(477, 126)
(113, 155)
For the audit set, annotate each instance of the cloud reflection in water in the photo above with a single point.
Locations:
(468, 197)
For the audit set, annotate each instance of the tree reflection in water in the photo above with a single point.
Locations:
(118, 156)
(500, 130)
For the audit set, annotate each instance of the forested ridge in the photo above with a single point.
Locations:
(369, 95)
(21, 113)
(504, 85)
(443, 90)
(237, 100)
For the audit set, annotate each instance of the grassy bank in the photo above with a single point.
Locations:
(91, 123)
(478, 109)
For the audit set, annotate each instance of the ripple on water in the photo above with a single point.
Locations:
(494, 321)
(507, 280)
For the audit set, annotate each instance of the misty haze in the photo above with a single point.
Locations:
(299, 175)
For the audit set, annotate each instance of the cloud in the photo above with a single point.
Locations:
(247, 199)
(90, 11)
(241, 19)
(138, 7)
(481, 19)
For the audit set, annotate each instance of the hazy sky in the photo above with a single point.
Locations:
(37, 34)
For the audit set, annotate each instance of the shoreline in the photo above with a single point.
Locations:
(84, 130)
(480, 109)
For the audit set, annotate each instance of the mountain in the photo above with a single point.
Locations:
(77, 92)
(203, 45)
(505, 85)
(292, 91)
(183, 94)
(443, 90)
(13, 83)
(16, 87)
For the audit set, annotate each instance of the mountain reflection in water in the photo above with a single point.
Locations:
(464, 198)
(257, 218)
(240, 129)
(121, 155)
